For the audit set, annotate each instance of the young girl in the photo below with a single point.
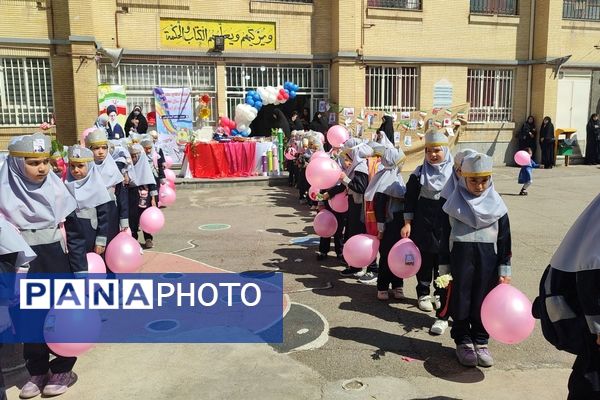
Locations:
(86, 185)
(422, 216)
(142, 189)
(386, 190)
(37, 203)
(477, 250)
(156, 164)
(355, 176)
(452, 183)
(15, 255)
(571, 300)
(117, 217)
(526, 174)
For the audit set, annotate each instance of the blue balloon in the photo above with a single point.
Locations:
(250, 102)
(258, 104)
(251, 93)
(234, 132)
(292, 95)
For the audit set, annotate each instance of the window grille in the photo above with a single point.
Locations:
(490, 94)
(392, 88)
(25, 91)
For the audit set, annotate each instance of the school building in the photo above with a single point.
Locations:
(501, 56)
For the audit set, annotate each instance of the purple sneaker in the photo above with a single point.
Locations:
(33, 387)
(59, 383)
(484, 357)
(466, 355)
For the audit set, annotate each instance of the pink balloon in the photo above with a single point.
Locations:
(361, 250)
(290, 153)
(337, 135)
(171, 184)
(95, 264)
(232, 124)
(339, 202)
(404, 259)
(319, 154)
(152, 220)
(170, 175)
(323, 173)
(84, 324)
(155, 158)
(168, 161)
(124, 254)
(506, 314)
(224, 121)
(522, 158)
(166, 195)
(325, 224)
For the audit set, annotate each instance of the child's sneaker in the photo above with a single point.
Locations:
(59, 383)
(425, 304)
(398, 293)
(484, 357)
(34, 387)
(439, 327)
(383, 295)
(466, 355)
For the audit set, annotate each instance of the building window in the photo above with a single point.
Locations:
(289, 1)
(312, 79)
(581, 9)
(392, 89)
(25, 91)
(490, 94)
(501, 7)
(140, 80)
(401, 4)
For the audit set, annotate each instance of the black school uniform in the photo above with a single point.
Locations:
(139, 200)
(338, 237)
(476, 258)
(94, 225)
(389, 213)
(424, 208)
(52, 257)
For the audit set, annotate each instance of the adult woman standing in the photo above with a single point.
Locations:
(547, 142)
(527, 135)
(592, 140)
(136, 121)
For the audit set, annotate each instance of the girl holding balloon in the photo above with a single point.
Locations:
(355, 177)
(39, 205)
(526, 173)
(142, 191)
(476, 249)
(114, 181)
(422, 221)
(85, 184)
(386, 190)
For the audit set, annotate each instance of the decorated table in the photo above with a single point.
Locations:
(229, 159)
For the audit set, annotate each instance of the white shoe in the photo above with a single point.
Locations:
(425, 304)
(438, 327)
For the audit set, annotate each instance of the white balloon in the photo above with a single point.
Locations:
(242, 127)
(263, 94)
(249, 131)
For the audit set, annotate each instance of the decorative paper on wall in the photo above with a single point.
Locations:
(442, 94)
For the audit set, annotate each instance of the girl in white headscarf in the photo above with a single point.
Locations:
(37, 203)
(476, 251)
(386, 190)
(85, 183)
(114, 182)
(355, 176)
(452, 183)
(142, 191)
(569, 305)
(422, 213)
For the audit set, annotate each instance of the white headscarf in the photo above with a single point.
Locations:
(579, 250)
(357, 151)
(90, 191)
(389, 180)
(452, 183)
(111, 175)
(435, 176)
(143, 172)
(476, 211)
(383, 139)
(11, 242)
(29, 205)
